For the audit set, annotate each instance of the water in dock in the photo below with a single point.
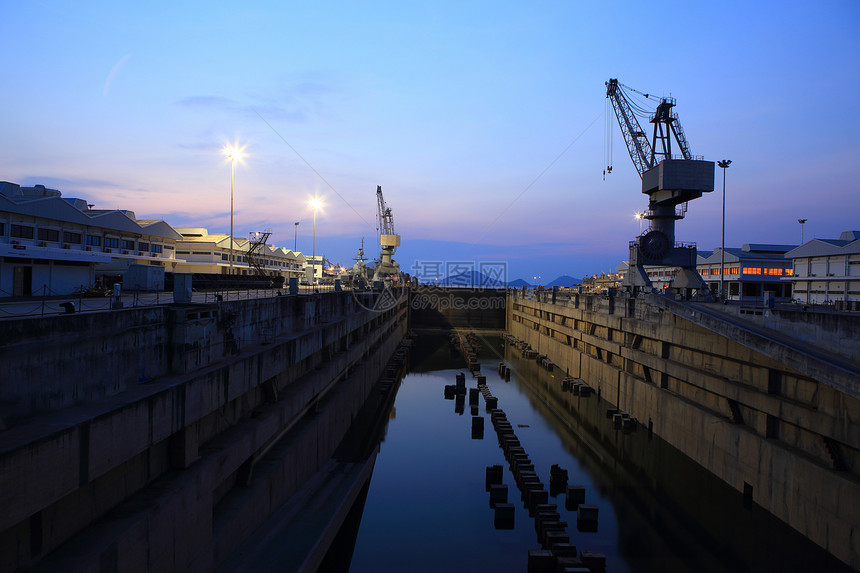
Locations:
(428, 507)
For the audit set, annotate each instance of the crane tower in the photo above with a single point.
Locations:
(669, 181)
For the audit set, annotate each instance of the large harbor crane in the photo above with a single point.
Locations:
(670, 181)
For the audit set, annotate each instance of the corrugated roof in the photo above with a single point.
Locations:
(827, 247)
(55, 207)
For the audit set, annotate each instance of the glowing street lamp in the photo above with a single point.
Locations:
(724, 164)
(639, 215)
(233, 153)
(316, 204)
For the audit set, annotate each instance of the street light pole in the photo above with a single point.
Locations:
(314, 248)
(801, 221)
(233, 153)
(232, 173)
(296, 238)
(315, 204)
(724, 164)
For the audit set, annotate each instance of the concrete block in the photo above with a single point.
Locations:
(566, 550)
(504, 516)
(537, 496)
(574, 495)
(541, 561)
(595, 561)
(586, 517)
(498, 494)
(555, 536)
(493, 476)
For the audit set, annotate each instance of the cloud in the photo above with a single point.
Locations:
(295, 99)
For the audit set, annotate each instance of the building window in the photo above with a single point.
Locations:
(752, 270)
(21, 231)
(3, 229)
(155, 248)
(223, 257)
(168, 247)
(112, 242)
(73, 238)
(52, 235)
(127, 244)
(143, 247)
(94, 241)
(183, 252)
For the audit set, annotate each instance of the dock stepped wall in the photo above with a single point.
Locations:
(785, 435)
(160, 438)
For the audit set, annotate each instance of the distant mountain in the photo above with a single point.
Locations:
(472, 279)
(518, 283)
(564, 281)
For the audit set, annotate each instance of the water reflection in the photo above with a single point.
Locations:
(427, 507)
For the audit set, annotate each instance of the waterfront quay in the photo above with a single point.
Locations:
(766, 401)
(160, 438)
(181, 436)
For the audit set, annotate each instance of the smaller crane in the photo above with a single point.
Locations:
(386, 268)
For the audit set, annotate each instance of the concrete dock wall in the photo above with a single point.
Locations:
(171, 470)
(448, 308)
(783, 436)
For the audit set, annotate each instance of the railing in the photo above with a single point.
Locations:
(85, 300)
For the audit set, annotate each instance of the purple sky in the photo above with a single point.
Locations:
(485, 123)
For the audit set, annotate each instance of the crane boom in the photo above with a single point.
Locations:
(384, 218)
(634, 137)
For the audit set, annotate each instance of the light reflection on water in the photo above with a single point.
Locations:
(427, 508)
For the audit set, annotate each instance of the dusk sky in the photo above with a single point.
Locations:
(484, 122)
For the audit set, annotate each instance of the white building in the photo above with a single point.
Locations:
(209, 253)
(827, 271)
(50, 245)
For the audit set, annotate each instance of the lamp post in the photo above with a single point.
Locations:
(296, 238)
(315, 204)
(801, 221)
(724, 164)
(639, 215)
(233, 153)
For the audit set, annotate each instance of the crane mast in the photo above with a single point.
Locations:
(668, 181)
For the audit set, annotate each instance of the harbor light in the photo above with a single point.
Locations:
(316, 204)
(233, 153)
